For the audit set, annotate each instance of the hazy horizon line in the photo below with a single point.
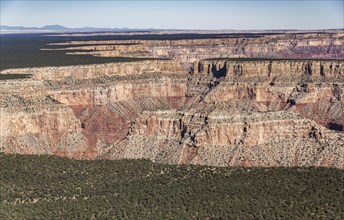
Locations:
(167, 28)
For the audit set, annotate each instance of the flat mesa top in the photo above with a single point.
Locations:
(65, 49)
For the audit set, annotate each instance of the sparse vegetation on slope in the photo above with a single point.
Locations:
(48, 187)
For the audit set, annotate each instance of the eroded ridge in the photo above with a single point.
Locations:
(218, 111)
(186, 51)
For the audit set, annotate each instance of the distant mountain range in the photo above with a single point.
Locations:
(59, 28)
(63, 28)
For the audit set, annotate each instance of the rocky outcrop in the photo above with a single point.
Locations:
(187, 51)
(124, 50)
(313, 87)
(40, 125)
(221, 139)
(248, 113)
(224, 112)
(281, 68)
(98, 70)
(123, 90)
(70, 112)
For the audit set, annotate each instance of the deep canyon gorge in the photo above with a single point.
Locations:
(266, 100)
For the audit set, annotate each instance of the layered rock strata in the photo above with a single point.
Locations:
(100, 70)
(248, 113)
(40, 125)
(290, 45)
(224, 112)
(82, 105)
(313, 87)
(221, 138)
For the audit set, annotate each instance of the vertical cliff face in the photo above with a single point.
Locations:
(313, 87)
(248, 113)
(227, 112)
(121, 91)
(82, 108)
(295, 46)
(186, 51)
(224, 112)
(92, 71)
(281, 68)
(40, 125)
(220, 139)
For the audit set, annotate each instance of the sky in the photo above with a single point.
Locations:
(163, 14)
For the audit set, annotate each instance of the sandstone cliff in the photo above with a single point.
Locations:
(40, 125)
(67, 110)
(222, 139)
(313, 87)
(289, 45)
(224, 112)
(97, 70)
(250, 113)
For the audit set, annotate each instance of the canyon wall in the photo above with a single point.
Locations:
(187, 51)
(249, 113)
(221, 139)
(68, 113)
(313, 87)
(40, 125)
(98, 70)
(218, 111)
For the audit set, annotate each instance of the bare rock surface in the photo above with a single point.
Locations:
(197, 108)
(187, 51)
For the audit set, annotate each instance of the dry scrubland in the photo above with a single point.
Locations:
(48, 187)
